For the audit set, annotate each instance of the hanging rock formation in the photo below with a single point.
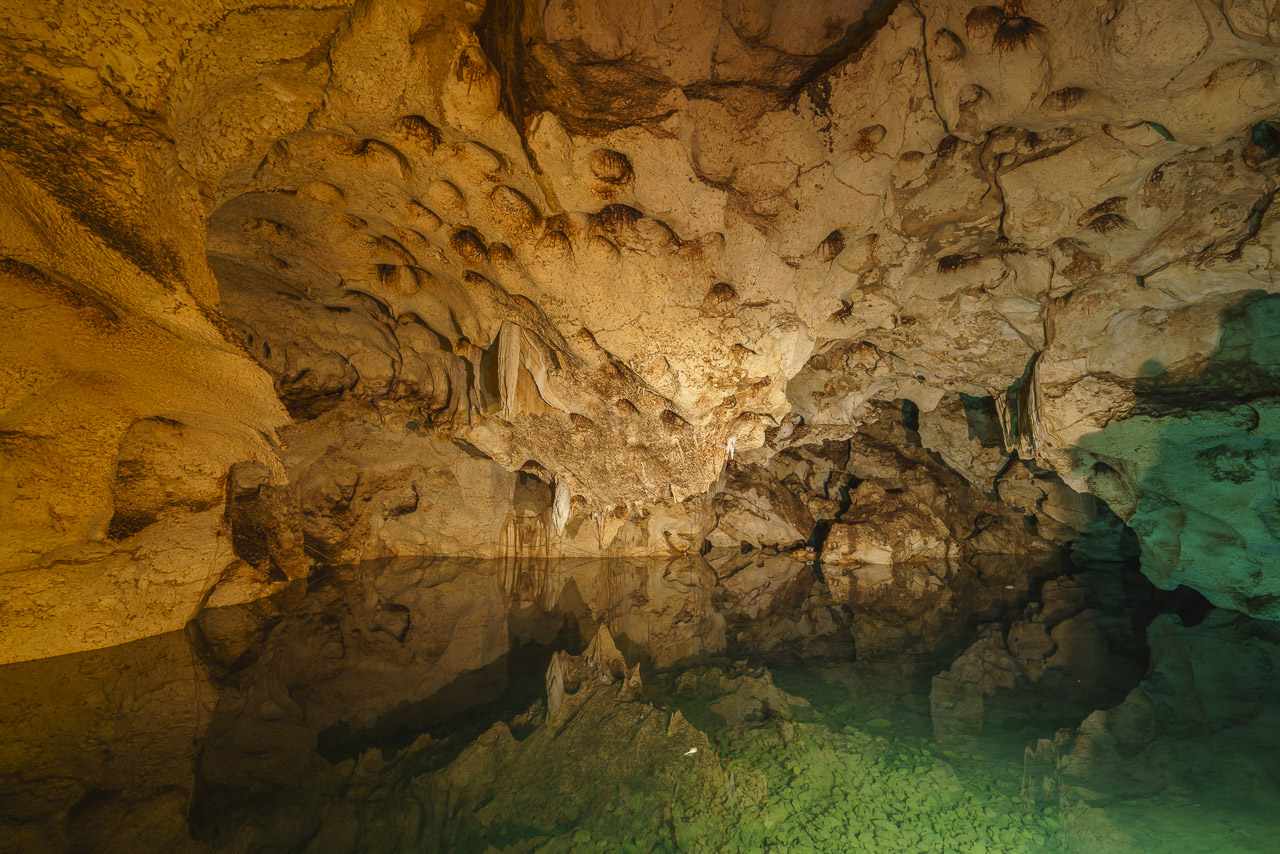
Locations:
(399, 256)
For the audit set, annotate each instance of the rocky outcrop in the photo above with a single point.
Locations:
(966, 433)
(126, 389)
(600, 664)
(1176, 440)
(754, 508)
(902, 552)
(882, 497)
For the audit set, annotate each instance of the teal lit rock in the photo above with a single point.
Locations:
(1195, 470)
(1266, 135)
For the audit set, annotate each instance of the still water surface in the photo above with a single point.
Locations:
(401, 707)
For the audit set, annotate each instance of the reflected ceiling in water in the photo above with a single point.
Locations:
(399, 706)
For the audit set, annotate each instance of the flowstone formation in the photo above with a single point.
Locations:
(326, 281)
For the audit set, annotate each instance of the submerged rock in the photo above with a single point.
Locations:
(739, 695)
(958, 695)
(1068, 646)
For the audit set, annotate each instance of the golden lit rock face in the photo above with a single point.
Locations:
(111, 322)
(590, 243)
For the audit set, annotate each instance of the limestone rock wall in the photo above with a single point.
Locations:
(126, 396)
(607, 249)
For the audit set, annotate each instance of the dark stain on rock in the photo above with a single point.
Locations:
(848, 48)
(93, 311)
(469, 246)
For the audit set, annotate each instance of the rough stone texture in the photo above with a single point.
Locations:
(611, 248)
(1180, 443)
(754, 507)
(966, 433)
(911, 553)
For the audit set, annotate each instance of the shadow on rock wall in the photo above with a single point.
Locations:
(1192, 467)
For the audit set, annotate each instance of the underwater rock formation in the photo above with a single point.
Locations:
(1208, 679)
(1074, 644)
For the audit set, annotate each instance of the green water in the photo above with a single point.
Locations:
(846, 781)
(860, 771)
(839, 775)
(403, 708)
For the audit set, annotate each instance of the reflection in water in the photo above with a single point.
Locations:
(526, 563)
(98, 749)
(530, 581)
(398, 706)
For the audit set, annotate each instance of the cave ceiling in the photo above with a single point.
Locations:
(611, 246)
